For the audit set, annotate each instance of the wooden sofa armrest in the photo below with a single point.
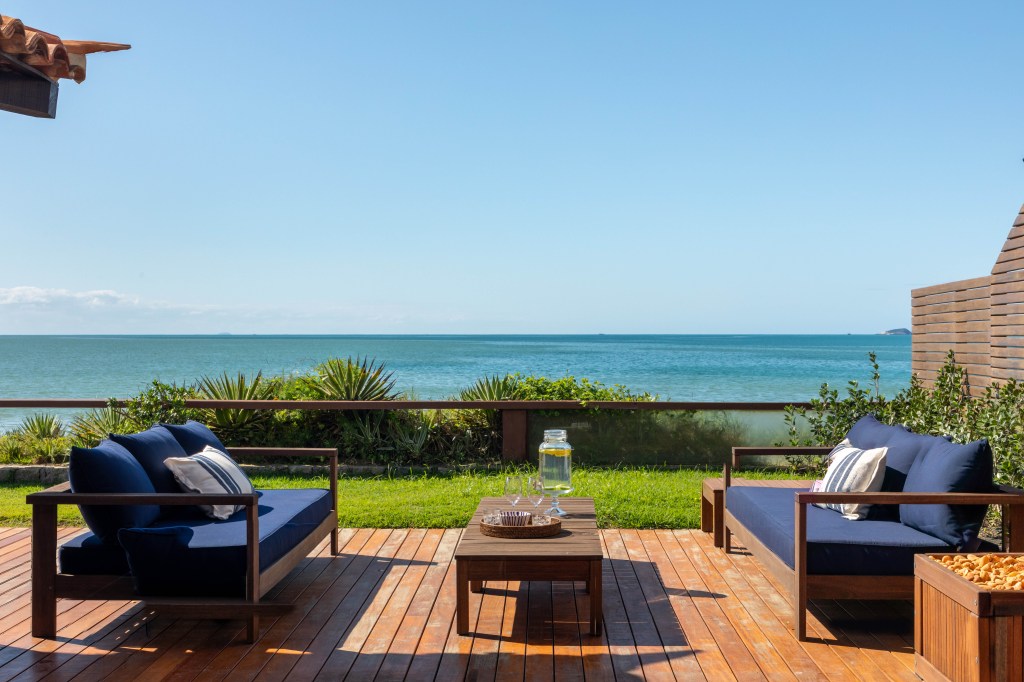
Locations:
(56, 497)
(739, 452)
(330, 453)
(777, 451)
(805, 498)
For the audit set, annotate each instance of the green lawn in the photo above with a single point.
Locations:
(625, 498)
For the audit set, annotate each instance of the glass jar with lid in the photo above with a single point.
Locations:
(556, 467)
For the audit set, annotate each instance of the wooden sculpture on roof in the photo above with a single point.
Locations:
(31, 63)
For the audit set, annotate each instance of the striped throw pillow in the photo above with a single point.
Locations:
(852, 470)
(211, 471)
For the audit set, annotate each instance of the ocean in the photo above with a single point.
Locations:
(676, 367)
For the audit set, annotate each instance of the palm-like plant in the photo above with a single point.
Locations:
(241, 387)
(357, 379)
(493, 388)
(42, 426)
(90, 428)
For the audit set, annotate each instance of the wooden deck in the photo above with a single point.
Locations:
(675, 608)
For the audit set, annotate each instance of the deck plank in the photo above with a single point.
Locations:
(675, 607)
(653, 657)
(386, 629)
(441, 620)
(828, 663)
(358, 632)
(680, 653)
(416, 624)
(780, 633)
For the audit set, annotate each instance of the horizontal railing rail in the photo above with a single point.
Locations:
(666, 405)
(514, 413)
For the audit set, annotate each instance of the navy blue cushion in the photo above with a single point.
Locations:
(194, 437)
(203, 557)
(151, 448)
(945, 469)
(110, 468)
(835, 545)
(904, 447)
(87, 554)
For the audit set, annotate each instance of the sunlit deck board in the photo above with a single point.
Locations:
(675, 607)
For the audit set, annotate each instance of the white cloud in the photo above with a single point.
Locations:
(29, 296)
(36, 310)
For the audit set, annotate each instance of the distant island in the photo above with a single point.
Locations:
(902, 331)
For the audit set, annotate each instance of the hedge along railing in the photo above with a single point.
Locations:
(514, 413)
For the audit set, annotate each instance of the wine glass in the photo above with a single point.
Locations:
(513, 489)
(535, 492)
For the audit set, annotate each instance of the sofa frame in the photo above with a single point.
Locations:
(804, 586)
(48, 584)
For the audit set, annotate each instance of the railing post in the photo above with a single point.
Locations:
(513, 435)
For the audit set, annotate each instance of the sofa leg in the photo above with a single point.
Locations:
(334, 542)
(44, 571)
(800, 570)
(252, 629)
(727, 540)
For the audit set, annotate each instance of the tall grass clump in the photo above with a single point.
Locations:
(39, 439)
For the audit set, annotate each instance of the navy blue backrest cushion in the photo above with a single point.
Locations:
(151, 448)
(194, 437)
(945, 468)
(110, 468)
(903, 446)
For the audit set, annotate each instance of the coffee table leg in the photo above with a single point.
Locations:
(461, 597)
(595, 597)
(476, 586)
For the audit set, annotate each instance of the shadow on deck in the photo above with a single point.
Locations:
(384, 609)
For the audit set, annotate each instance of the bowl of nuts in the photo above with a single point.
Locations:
(988, 571)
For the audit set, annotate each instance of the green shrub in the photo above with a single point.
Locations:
(160, 403)
(947, 409)
(569, 388)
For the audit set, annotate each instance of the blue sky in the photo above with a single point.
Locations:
(487, 167)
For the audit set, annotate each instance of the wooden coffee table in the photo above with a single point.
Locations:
(575, 554)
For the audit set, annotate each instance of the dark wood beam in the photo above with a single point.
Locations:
(24, 90)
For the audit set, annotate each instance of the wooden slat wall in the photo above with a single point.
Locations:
(1007, 301)
(953, 316)
(981, 320)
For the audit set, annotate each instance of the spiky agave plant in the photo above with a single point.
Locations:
(42, 426)
(357, 379)
(90, 428)
(241, 387)
(493, 388)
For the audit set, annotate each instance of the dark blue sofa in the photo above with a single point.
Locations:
(933, 500)
(149, 541)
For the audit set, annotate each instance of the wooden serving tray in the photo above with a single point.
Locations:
(546, 530)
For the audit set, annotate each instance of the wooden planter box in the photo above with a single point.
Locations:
(963, 631)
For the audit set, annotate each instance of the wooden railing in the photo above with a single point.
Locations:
(514, 413)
